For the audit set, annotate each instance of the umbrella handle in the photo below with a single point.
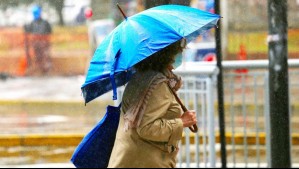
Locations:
(195, 128)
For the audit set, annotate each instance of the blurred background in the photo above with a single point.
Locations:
(43, 115)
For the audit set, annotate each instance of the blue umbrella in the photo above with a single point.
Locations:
(137, 38)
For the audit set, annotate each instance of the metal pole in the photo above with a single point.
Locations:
(220, 88)
(278, 84)
(211, 119)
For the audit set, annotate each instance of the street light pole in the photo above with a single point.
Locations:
(278, 84)
(220, 87)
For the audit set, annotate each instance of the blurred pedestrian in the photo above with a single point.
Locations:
(39, 30)
(152, 120)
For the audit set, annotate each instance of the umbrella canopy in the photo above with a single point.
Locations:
(137, 38)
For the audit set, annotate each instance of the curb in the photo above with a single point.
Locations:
(5, 102)
(74, 139)
(40, 140)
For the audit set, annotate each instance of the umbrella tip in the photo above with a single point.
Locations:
(122, 12)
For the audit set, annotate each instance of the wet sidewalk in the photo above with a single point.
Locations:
(47, 105)
(55, 88)
(47, 109)
(58, 88)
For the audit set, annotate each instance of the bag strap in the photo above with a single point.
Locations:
(112, 73)
(195, 128)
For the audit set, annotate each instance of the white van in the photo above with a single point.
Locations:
(98, 30)
(73, 11)
(200, 51)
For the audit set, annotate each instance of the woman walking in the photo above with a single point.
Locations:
(152, 121)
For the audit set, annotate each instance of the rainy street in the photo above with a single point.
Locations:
(62, 60)
(60, 112)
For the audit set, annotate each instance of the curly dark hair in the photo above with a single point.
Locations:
(160, 60)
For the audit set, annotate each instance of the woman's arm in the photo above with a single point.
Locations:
(153, 126)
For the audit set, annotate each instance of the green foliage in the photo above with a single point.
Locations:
(57, 4)
(7, 3)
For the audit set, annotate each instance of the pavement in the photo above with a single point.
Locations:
(41, 88)
(49, 105)
(44, 88)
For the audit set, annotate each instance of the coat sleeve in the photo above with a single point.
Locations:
(153, 126)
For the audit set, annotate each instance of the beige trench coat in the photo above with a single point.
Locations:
(154, 144)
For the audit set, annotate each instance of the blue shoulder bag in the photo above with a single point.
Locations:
(95, 148)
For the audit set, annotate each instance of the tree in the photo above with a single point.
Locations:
(101, 9)
(7, 3)
(151, 3)
(58, 5)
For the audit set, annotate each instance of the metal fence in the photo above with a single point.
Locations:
(247, 114)
(246, 98)
(197, 94)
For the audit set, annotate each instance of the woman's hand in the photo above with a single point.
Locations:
(189, 118)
